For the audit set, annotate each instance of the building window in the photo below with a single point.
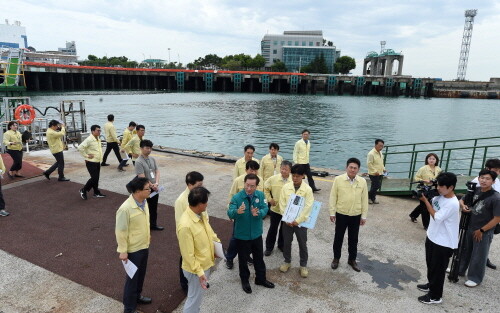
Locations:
(275, 42)
(282, 43)
(289, 43)
(310, 43)
(296, 43)
(303, 43)
(275, 51)
(317, 43)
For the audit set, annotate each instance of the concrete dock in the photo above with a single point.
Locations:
(390, 255)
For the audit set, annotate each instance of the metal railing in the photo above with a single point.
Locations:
(463, 157)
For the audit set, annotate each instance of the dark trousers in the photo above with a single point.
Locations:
(232, 251)
(421, 209)
(245, 247)
(2, 201)
(436, 258)
(375, 185)
(351, 223)
(133, 286)
(301, 234)
(273, 231)
(112, 146)
(182, 278)
(17, 159)
(153, 209)
(94, 169)
(59, 165)
(310, 179)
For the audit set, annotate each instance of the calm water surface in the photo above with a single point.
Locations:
(341, 126)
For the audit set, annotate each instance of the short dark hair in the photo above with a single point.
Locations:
(94, 127)
(10, 124)
(298, 169)
(353, 160)
(274, 145)
(429, 155)
(447, 179)
(249, 147)
(193, 177)
(485, 171)
(137, 184)
(198, 195)
(379, 140)
(132, 124)
(146, 143)
(111, 117)
(54, 123)
(252, 165)
(305, 131)
(287, 163)
(138, 127)
(492, 163)
(252, 176)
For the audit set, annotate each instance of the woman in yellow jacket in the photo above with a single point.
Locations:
(426, 173)
(14, 145)
(2, 202)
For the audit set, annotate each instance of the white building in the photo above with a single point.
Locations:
(13, 35)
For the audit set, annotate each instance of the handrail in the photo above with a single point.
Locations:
(443, 141)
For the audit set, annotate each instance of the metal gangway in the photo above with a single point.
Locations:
(464, 157)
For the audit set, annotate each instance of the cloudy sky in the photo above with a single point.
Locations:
(428, 32)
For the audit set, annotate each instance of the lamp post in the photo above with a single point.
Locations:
(168, 55)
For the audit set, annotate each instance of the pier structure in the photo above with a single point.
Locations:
(55, 77)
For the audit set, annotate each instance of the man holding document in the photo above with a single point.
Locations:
(348, 210)
(304, 191)
(133, 238)
(196, 242)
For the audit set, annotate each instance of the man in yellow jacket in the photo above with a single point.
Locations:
(55, 134)
(239, 166)
(348, 210)
(272, 191)
(128, 133)
(91, 150)
(2, 202)
(111, 143)
(301, 156)
(271, 163)
(376, 169)
(133, 238)
(299, 188)
(133, 146)
(196, 241)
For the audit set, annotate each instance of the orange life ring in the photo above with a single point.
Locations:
(24, 114)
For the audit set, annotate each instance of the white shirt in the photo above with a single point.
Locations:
(443, 228)
(495, 186)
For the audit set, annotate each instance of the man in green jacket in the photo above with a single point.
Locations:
(247, 208)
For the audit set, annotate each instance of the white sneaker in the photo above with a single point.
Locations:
(470, 284)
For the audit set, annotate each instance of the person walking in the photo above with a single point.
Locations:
(14, 146)
(55, 134)
(91, 150)
(111, 143)
(301, 152)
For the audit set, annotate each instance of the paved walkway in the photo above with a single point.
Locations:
(391, 256)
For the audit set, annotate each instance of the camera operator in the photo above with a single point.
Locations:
(485, 215)
(442, 236)
(492, 165)
(427, 174)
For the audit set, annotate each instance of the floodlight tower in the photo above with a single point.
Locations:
(464, 52)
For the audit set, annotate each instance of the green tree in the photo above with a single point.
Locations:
(278, 66)
(258, 62)
(344, 64)
(233, 65)
(92, 57)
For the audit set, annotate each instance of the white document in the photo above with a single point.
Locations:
(293, 208)
(130, 268)
(218, 250)
(124, 155)
(154, 193)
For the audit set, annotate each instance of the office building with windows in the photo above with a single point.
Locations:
(297, 49)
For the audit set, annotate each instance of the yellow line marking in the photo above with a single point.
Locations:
(324, 179)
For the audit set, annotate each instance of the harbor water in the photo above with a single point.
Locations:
(341, 126)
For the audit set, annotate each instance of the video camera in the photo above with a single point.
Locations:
(469, 196)
(426, 189)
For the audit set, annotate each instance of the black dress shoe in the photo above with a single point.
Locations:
(265, 283)
(63, 179)
(335, 264)
(18, 176)
(413, 219)
(46, 175)
(229, 264)
(104, 164)
(156, 227)
(316, 189)
(144, 300)
(491, 265)
(246, 287)
(268, 252)
(354, 265)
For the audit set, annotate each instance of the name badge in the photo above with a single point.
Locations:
(152, 174)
